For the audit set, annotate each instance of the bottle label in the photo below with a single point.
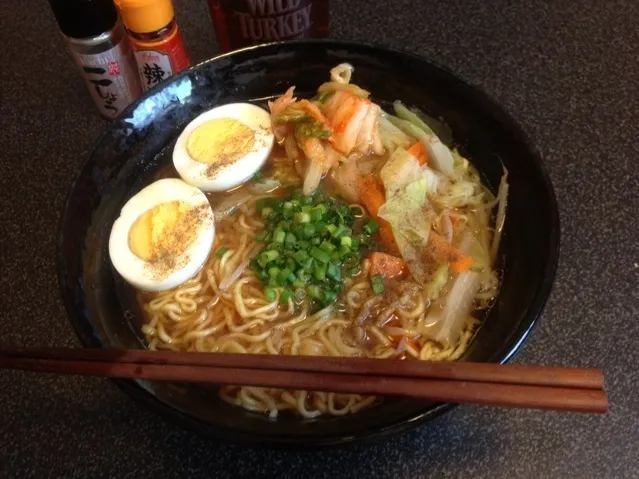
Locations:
(254, 21)
(161, 60)
(110, 77)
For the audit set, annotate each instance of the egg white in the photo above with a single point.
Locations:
(140, 273)
(234, 174)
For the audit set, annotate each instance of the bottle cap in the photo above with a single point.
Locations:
(84, 18)
(145, 16)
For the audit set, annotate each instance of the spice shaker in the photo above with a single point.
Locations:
(159, 49)
(240, 23)
(100, 48)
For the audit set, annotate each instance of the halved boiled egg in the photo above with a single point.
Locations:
(163, 236)
(224, 147)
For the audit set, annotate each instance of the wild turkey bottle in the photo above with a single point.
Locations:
(240, 23)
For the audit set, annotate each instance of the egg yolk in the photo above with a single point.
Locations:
(164, 231)
(223, 140)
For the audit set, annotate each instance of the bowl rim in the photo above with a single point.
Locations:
(505, 353)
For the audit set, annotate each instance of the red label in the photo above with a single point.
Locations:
(244, 22)
(113, 68)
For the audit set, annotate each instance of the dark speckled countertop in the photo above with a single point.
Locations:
(567, 71)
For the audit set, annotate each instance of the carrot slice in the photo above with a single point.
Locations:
(386, 265)
(372, 196)
(386, 236)
(419, 151)
(446, 252)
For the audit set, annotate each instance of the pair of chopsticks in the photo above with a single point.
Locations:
(534, 387)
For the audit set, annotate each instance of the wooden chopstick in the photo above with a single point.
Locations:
(587, 378)
(433, 381)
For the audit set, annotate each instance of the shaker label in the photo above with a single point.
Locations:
(154, 67)
(108, 79)
(161, 60)
(114, 68)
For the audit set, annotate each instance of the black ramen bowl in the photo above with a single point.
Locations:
(133, 149)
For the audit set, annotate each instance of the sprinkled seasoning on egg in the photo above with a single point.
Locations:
(163, 235)
(224, 147)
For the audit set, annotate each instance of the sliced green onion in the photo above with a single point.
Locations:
(320, 255)
(319, 271)
(285, 296)
(273, 272)
(344, 251)
(339, 231)
(284, 225)
(302, 217)
(303, 275)
(326, 246)
(329, 297)
(267, 256)
(371, 227)
(274, 246)
(320, 227)
(308, 263)
(278, 236)
(258, 271)
(285, 276)
(301, 257)
(308, 230)
(318, 212)
(298, 231)
(315, 292)
(344, 210)
(288, 214)
(377, 284)
(290, 263)
(331, 229)
(269, 293)
(334, 272)
(290, 239)
(309, 247)
(221, 251)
